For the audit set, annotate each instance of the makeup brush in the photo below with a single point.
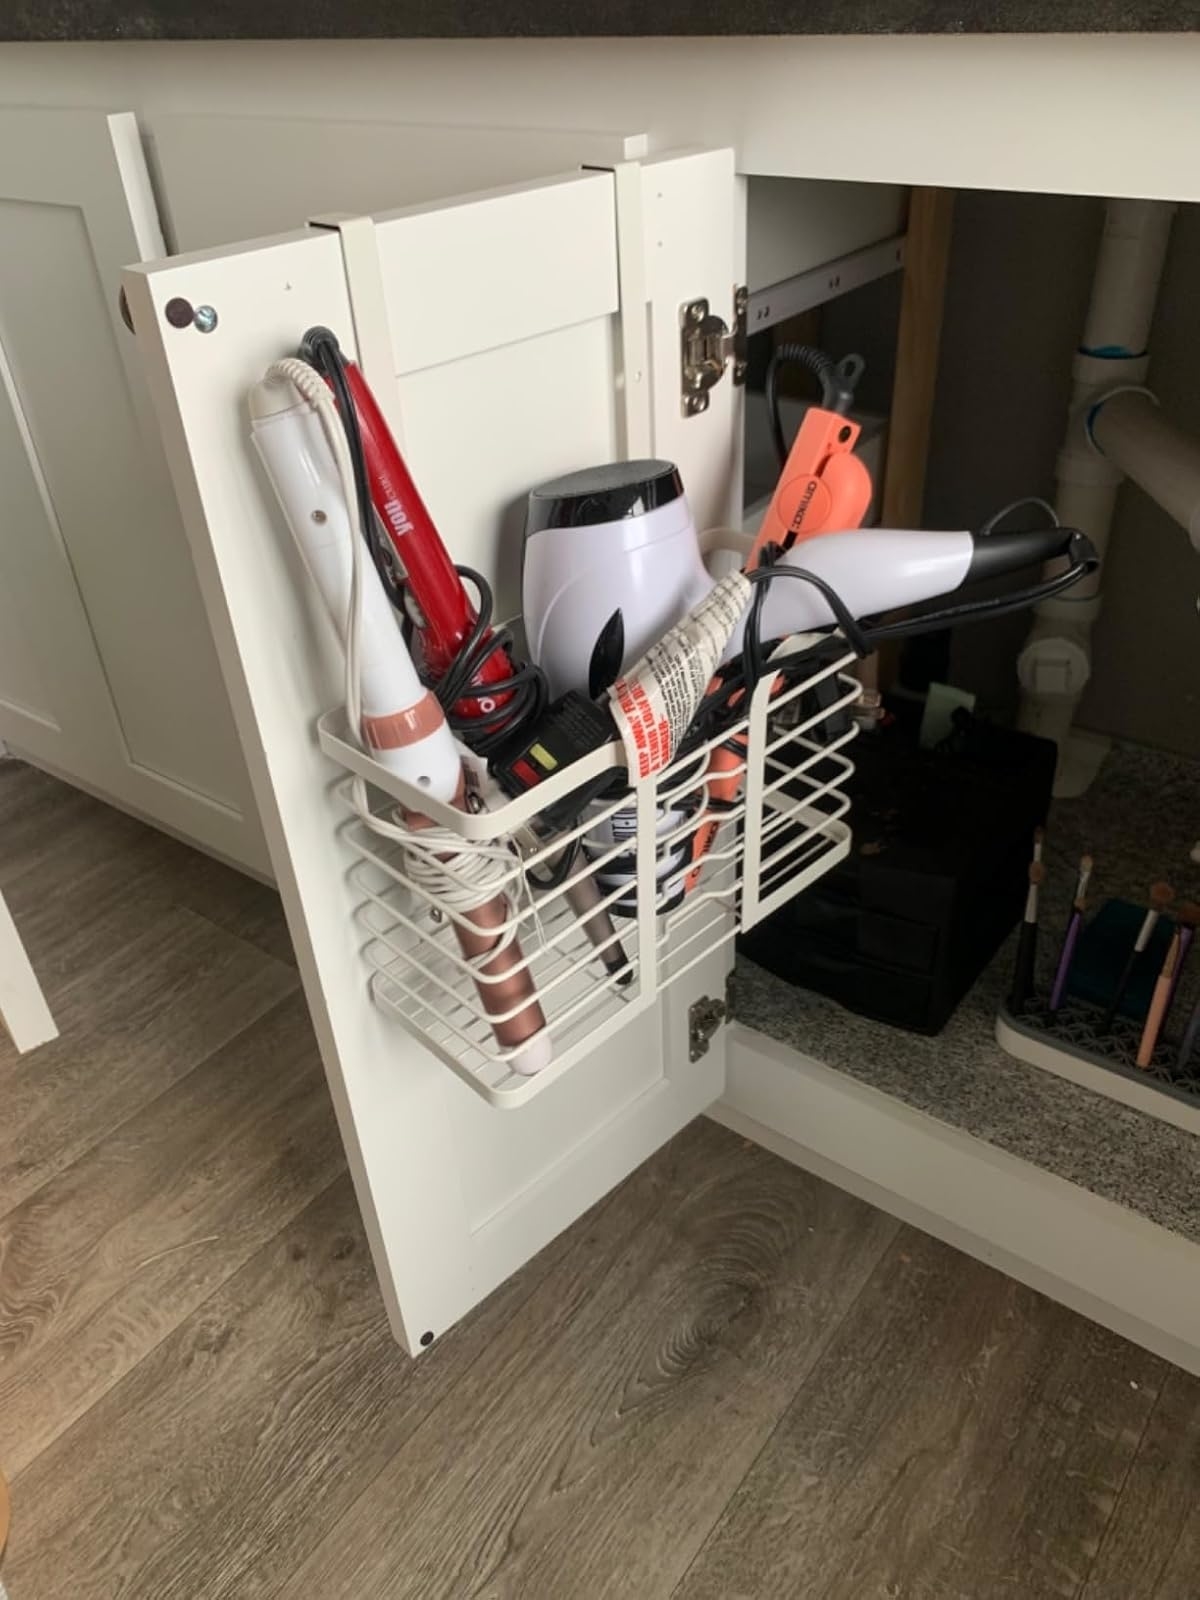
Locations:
(1071, 938)
(1187, 916)
(1022, 984)
(1161, 895)
(1157, 1009)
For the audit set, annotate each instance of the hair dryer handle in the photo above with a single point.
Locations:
(997, 554)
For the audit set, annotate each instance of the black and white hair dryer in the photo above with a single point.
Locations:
(837, 577)
(709, 660)
(609, 544)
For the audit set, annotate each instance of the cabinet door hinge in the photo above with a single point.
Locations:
(705, 1016)
(706, 347)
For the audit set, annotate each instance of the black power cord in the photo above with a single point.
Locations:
(837, 379)
(322, 351)
(1081, 556)
(521, 697)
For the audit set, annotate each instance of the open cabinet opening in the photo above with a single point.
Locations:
(1054, 308)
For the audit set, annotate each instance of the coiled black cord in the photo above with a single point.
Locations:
(522, 696)
(794, 355)
(837, 380)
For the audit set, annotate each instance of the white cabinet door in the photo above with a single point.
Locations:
(276, 172)
(533, 330)
(107, 669)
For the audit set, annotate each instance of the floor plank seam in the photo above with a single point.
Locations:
(169, 1333)
(281, 1592)
(785, 1409)
(1081, 1592)
(144, 1105)
(229, 933)
(252, 944)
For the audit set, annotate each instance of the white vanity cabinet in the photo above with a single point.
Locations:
(522, 331)
(525, 330)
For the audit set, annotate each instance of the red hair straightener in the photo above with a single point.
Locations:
(461, 657)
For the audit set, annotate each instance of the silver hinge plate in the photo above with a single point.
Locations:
(705, 1016)
(706, 347)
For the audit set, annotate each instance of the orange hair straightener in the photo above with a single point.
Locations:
(823, 487)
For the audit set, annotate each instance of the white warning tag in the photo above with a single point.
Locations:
(654, 703)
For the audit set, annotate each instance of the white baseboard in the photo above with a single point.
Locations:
(1104, 1261)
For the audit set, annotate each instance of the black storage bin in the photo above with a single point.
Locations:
(936, 878)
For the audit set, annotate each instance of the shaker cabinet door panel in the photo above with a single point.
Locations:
(107, 670)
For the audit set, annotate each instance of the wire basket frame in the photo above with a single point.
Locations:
(649, 900)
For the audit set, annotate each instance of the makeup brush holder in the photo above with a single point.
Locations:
(668, 911)
(1074, 1043)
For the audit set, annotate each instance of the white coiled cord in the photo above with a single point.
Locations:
(456, 874)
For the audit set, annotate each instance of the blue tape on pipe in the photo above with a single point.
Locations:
(1112, 352)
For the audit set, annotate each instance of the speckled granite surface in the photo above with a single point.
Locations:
(452, 19)
(1140, 821)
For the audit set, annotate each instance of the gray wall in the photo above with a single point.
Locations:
(1019, 282)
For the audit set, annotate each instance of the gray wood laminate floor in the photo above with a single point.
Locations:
(729, 1381)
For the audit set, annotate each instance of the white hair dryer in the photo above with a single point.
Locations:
(883, 569)
(607, 540)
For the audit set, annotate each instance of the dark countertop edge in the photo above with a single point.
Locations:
(271, 21)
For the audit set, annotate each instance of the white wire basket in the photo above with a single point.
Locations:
(636, 909)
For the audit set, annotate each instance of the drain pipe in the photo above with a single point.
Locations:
(1055, 664)
(1129, 430)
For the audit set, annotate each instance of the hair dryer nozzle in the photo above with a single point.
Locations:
(997, 554)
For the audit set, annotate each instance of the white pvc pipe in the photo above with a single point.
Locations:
(1134, 435)
(1055, 664)
(1125, 287)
